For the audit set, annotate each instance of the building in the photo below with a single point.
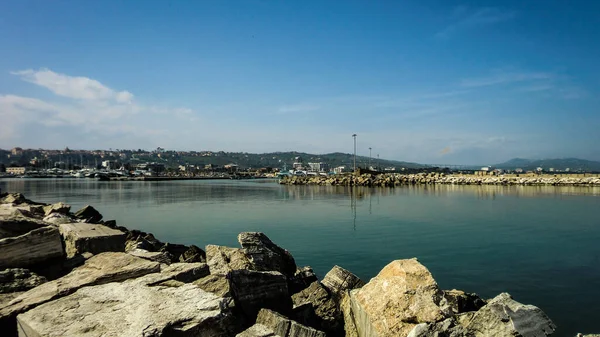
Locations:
(109, 164)
(154, 168)
(16, 170)
(319, 167)
(339, 169)
(16, 151)
(231, 167)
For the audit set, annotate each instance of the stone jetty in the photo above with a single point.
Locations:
(394, 179)
(74, 274)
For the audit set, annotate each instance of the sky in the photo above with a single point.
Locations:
(434, 82)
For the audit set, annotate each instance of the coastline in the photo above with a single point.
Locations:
(250, 291)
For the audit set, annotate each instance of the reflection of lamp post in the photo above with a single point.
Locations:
(369, 158)
(354, 136)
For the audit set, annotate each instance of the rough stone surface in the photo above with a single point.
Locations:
(350, 329)
(328, 317)
(128, 309)
(14, 198)
(446, 328)
(57, 218)
(338, 280)
(459, 301)
(59, 207)
(18, 224)
(401, 296)
(161, 257)
(18, 279)
(193, 254)
(502, 316)
(99, 269)
(283, 326)
(216, 284)
(301, 280)
(258, 330)
(265, 255)
(254, 290)
(222, 260)
(38, 245)
(83, 237)
(88, 214)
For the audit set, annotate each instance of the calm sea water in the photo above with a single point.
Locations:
(541, 244)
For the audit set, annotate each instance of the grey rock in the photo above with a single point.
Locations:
(18, 279)
(327, 315)
(91, 238)
(88, 214)
(459, 301)
(36, 246)
(128, 309)
(193, 254)
(338, 280)
(57, 218)
(258, 330)
(301, 280)
(503, 316)
(445, 328)
(221, 260)
(99, 269)
(18, 223)
(265, 255)
(283, 326)
(216, 284)
(59, 207)
(254, 290)
(14, 198)
(161, 257)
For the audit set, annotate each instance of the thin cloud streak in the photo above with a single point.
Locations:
(480, 17)
(505, 78)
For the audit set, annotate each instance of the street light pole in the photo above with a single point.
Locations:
(369, 158)
(354, 136)
(378, 163)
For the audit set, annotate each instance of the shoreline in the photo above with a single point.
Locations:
(77, 263)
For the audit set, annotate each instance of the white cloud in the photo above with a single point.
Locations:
(470, 19)
(298, 108)
(501, 77)
(76, 87)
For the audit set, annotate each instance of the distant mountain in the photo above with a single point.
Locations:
(573, 164)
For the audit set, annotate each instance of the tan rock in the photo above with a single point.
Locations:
(338, 280)
(401, 296)
(83, 237)
(59, 207)
(38, 245)
(221, 260)
(216, 284)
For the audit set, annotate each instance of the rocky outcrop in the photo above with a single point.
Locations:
(301, 280)
(325, 313)
(503, 317)
(270, 323)
(216, 284)
(36, 246)
(254, 290)
(338, 280)
(221, 260)
(18, 279)
(459, 301)
(265, 255)
(18, 223)
(100, 269)
(59, 207)
(128, 309)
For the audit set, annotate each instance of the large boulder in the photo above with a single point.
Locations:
(216, 284)
(36, 246)
(18, 279)
(83, 237)
(17, 224)
(254, 290)
(445, 328)
(326, 314)
(99, 269)
(59, 207)
(503, 317)
(221, 260)
(129, 309)
(459, 301)
(88, 214)
(271, 324)
(401, 296)
(301, 280)
(265, 255)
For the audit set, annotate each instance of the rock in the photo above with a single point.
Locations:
(57, 218)
(327, 316)
(193, 254)
(221, 260)
(350, 329)
(179, 272)
(445, 328)
(338, 280)
(254, 290)
(88, 214)
(301, 280)
(128, 309)
(14, 198)
(257, 330)
(590, 335)
(401, 296)
(282, 326)
(216, 284)
(18, 279)
(38, 245)
(99, 269)
(460, 302)
(503, 316)
(18, 224)
(265, 255)
(161, 257)
(82, 237)
(110, 223)
(59, 207)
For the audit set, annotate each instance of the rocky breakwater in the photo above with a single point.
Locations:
(93, 278)
(394, 179)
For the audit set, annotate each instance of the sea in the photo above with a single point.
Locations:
(540, 244)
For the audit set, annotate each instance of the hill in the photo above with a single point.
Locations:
(572, 164)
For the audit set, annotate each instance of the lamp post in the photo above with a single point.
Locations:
(378, 164)
(369, 158)
(354, 136)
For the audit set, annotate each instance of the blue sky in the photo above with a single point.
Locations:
(472, 82)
